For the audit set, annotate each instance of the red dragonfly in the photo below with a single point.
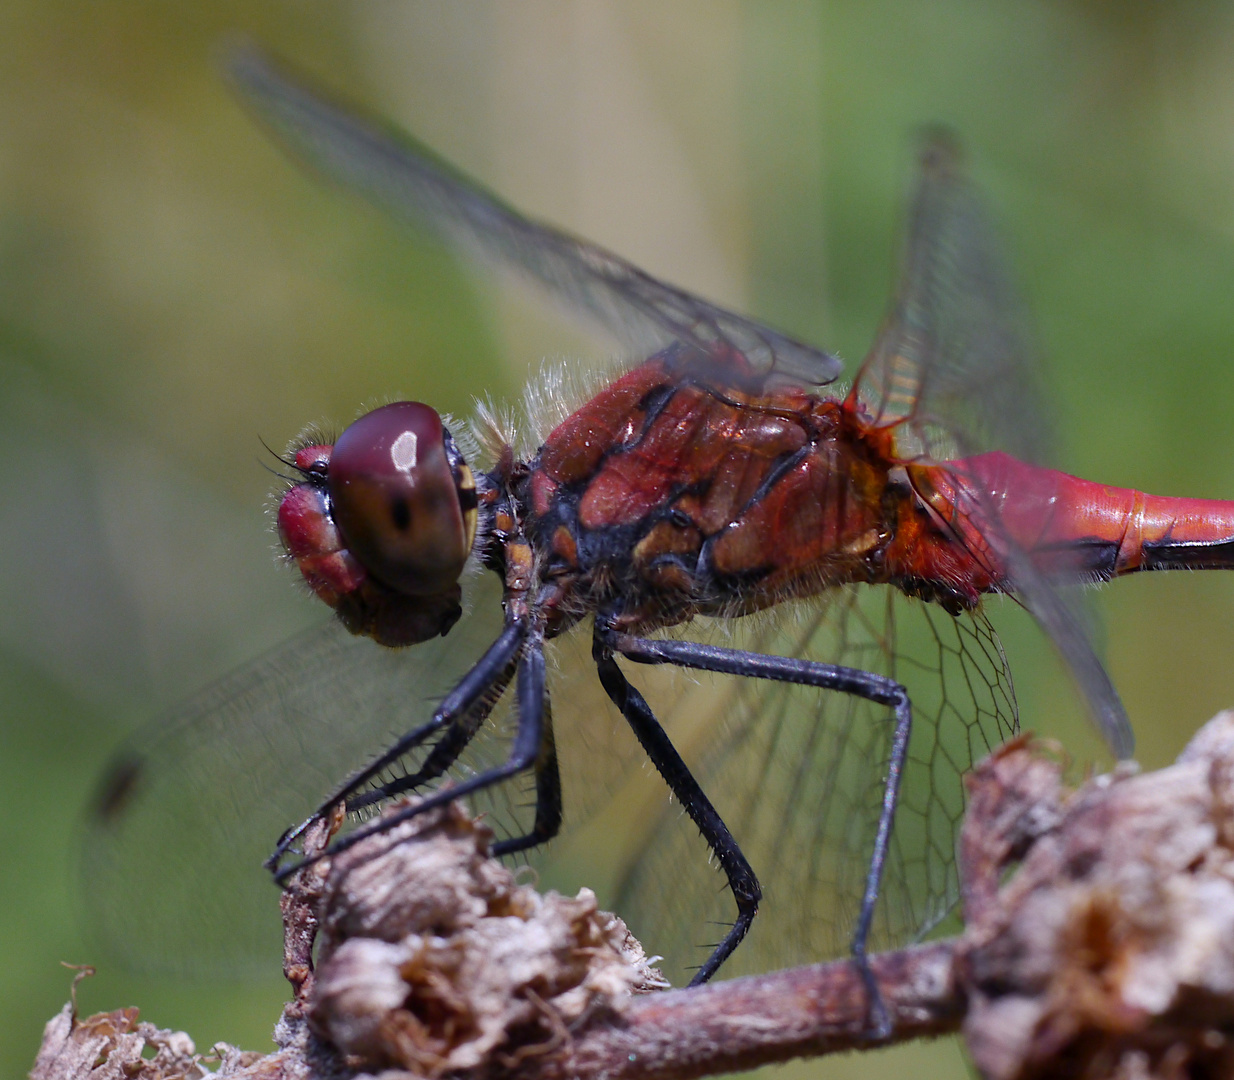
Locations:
(664, 521)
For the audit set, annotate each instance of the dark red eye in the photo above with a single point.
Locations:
(396, 499)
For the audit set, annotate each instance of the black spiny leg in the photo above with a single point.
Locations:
(491, 671)
(864, 684)
(488, 674)
(741, 878)
(548, 796)
(445, 752)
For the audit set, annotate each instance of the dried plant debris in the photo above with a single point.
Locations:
(433, 958)
(1099, 943)
(1110, 951)
(119, 1046)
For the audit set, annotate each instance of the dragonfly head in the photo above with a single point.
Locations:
(383, 522)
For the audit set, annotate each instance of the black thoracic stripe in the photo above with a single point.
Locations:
(652, 403)
(779, 469)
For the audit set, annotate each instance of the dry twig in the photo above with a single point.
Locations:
(1109, 952)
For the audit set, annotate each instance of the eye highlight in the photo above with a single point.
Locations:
(403, 451)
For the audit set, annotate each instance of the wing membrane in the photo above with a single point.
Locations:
(953, 368)
(196, 800)
(954, 356)
(797, 775)
(410, 181)
(173, 857)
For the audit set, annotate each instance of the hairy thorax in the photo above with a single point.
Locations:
(665, 497)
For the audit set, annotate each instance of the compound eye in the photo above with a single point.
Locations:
(395, 499)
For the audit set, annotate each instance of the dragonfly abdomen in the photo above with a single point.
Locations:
(1167, 533)
(1071, 528)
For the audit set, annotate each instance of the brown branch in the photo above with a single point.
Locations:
(747, 1022)
(1109, 951)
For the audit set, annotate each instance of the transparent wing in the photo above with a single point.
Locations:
(954, 370)
(410, 181)
(797, 775)
(194, 802)
(953, 362)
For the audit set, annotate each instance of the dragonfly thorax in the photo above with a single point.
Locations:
(654, 501)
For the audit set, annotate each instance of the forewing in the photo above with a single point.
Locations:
(196, 800)
(413, 183)
(797, 774)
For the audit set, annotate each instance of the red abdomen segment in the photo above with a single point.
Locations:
(1068, 526)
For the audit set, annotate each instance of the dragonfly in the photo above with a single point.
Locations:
(796, 571)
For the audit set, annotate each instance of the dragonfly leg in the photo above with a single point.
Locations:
(489, 674)
(523, 755)
(865, 684)
(547, 821)
(454, 740)
(548, 797)
(655, 741)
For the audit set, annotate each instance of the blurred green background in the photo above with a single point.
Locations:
(172, 291)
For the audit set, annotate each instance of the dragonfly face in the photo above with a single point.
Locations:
(383, 522)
